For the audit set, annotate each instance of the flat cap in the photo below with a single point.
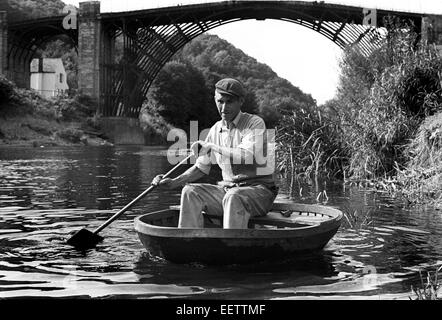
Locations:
(231, 87)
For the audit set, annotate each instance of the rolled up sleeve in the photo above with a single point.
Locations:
(203, 163)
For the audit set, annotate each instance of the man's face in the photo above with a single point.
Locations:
(228, 106)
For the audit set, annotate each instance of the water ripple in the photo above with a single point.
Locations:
(48, 194)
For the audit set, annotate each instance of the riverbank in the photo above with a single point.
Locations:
(35, 130)
(28, 119)
(383, 128)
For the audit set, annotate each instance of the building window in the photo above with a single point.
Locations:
(61, 78)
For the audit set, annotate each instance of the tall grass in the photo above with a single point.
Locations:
(430, 289)
(384, 126)
(420, 180)
(382, 99)
(305, 143)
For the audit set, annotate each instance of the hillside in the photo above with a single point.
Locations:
(187, 81)
(218, 58)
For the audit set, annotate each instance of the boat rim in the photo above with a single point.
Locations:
(303, 230)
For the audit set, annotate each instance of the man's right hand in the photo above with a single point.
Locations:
(164, 183)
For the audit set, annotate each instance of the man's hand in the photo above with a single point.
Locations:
(166, 183)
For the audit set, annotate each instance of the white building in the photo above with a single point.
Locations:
(48, 77)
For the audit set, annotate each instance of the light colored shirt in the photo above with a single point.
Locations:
(247, 132)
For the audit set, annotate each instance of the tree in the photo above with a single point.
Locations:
(179, 94)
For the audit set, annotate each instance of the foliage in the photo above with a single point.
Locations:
(155, 128)
(425, 149)
(30, 9)
(16, 101)
(70, 134)
(20, 102)
(28, 118)
(6, 91)
(73, 109)
(306, 146)
(357, 220)
(420, 180)
(430, 290)
(382, 99)
(179, 94)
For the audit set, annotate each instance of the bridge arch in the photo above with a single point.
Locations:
(150, 40)
(26, 37)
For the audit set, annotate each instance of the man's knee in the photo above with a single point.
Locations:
(234, 195)
(236, 210)
(190, 189)
(234, 192)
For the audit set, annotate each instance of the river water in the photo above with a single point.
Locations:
(46, 194)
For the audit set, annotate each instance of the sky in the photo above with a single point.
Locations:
(302, 56)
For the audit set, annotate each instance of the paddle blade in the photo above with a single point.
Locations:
(84, 239)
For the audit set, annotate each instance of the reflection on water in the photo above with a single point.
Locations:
(46, 194)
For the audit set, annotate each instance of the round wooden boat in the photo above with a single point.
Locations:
(287, 230)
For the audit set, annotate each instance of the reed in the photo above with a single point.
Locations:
(357, 220)
(430, 289)
(305, 145)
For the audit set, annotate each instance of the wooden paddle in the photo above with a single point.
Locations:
(84, 239)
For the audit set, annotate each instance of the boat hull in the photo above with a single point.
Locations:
(268, 238)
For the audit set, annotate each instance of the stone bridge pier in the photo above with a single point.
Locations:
(96, 48)
(3, 43)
